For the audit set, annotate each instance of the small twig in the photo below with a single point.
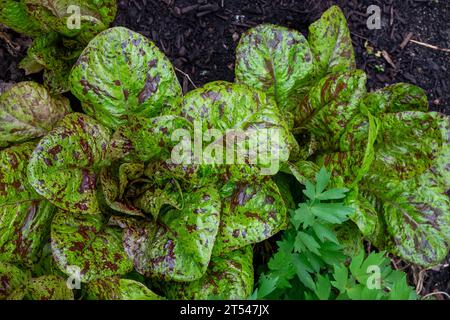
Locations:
(359, 36)
(10, 45)
(387, 57)
(187, 76)
(421, 277)
(429, 46)
(436, 293)
(406, 40)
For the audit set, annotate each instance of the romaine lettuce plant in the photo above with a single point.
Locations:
(384, 144)
(60, 30)
(117, 201)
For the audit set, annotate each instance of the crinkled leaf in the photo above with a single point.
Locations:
(49, 52)
(253, 117)
(253, 213)
(396, 98)
(331, 44)
(56, 15)
(147, 139)
(28, 111)
(86, 242)
(63, 168)
(411, 143)
(110, 191)
(24, 216)
(24, 228)
(14, 186)
(43, 288)
(11, 278)
(277, 61)
(179, 245)
(121, 73)
(152, 200)
(229, 276)
(14, 14)
(365, 215)
(416, 218)
(118, 289)
(330, 105)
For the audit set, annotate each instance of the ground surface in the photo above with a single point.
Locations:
(200, 37)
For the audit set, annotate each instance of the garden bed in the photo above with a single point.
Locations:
(200, 37)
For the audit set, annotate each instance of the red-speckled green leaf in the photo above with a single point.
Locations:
(111, 188)
(397, 97)
(330, 105)
(145, 139)
(14, 186)
(248, 114)
(57, 15)
(13, 13)
(63, 168)
(229, 277)
(277, 61)
(410, 142)
(24, 215)
(250, 214)
(121, 73)
(118, 289)
(179, 245)
(28, 111)
(11, 278)
(24, 228)
(43, 288)
(331, 44)
(416, 218)
(84, 241)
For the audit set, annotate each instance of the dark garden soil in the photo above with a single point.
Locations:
(200, 37)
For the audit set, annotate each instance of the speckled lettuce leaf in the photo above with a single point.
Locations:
(121, 73)
(250, 214)
(302, 170)
(331, 44)
(154, 199)
(52, 53)
(412, 142)
(118, 289)
(113, 182)
(14, 186)
(13, 14)
(277, 61)
(329, 108)
(229, 277)
(54, 15)
(330, 105)
(144, 139)
(179, 245)
(358, 152)
(28, 111)
(416, 218)
(365, 216)
(24, 228)
(221, 106)
(43, 288)
(11, 278)
(397, 97)
(88, 243)
(64, 166)
(24, 215)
